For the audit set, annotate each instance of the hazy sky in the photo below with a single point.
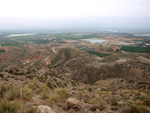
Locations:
(29, 11)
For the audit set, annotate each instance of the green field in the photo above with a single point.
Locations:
(40, 38)
(136, 49)
(2, 51)
(21, 40)
(74, 37)
(98, 53)
(9, 42)
(35, 41)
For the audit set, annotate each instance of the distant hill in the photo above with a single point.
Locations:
(63, 55)
(89, 69)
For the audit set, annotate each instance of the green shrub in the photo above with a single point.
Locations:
(33, 85)
(122, 80)
(114, 108)
(10, 76)
(90, 89)
(131, 81)
(13, 93)
(30, 76)
(49, 85)
(1, 75)
(17, 92)
(10, 71)
(9, 106)
(63, 93)
(32, 109)
(138, 109)
(142, 96)
(26, 93)
(59, 94)
(44, 91)
(54, 98)
(114, 102)
(144, 109)
(43, 78)
(95, 101)
(5, 79)
(3, 89)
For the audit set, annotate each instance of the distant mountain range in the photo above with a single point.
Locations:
(80, 23)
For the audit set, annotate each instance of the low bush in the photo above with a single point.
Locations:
(9, 106)
(95, 101)
(142, 96)
(114, 102)
(33, 85)
(17, 92)
(44, 90)
(63, 93)
(13, 93)
(1, 75)
(26, 93)
(3, 89)
(30, 76)
(133, 108)
(32, 109)
(59, 94)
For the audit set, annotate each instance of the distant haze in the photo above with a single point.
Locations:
(74, 14)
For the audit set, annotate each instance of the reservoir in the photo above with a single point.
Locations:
(12, 35)
(94, 40)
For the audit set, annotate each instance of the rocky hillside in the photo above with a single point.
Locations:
(89, 68)
(50, 93)
(73, 81)
(63, 55)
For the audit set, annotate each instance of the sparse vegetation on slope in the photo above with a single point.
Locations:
(44, 74)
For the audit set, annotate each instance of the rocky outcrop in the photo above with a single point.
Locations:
(73, 103)
(45, 109)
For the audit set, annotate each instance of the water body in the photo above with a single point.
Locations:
(124, 44)
(12, 35)
(94, 40)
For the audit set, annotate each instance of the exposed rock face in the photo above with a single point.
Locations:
(45, 109)
(73, 103)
